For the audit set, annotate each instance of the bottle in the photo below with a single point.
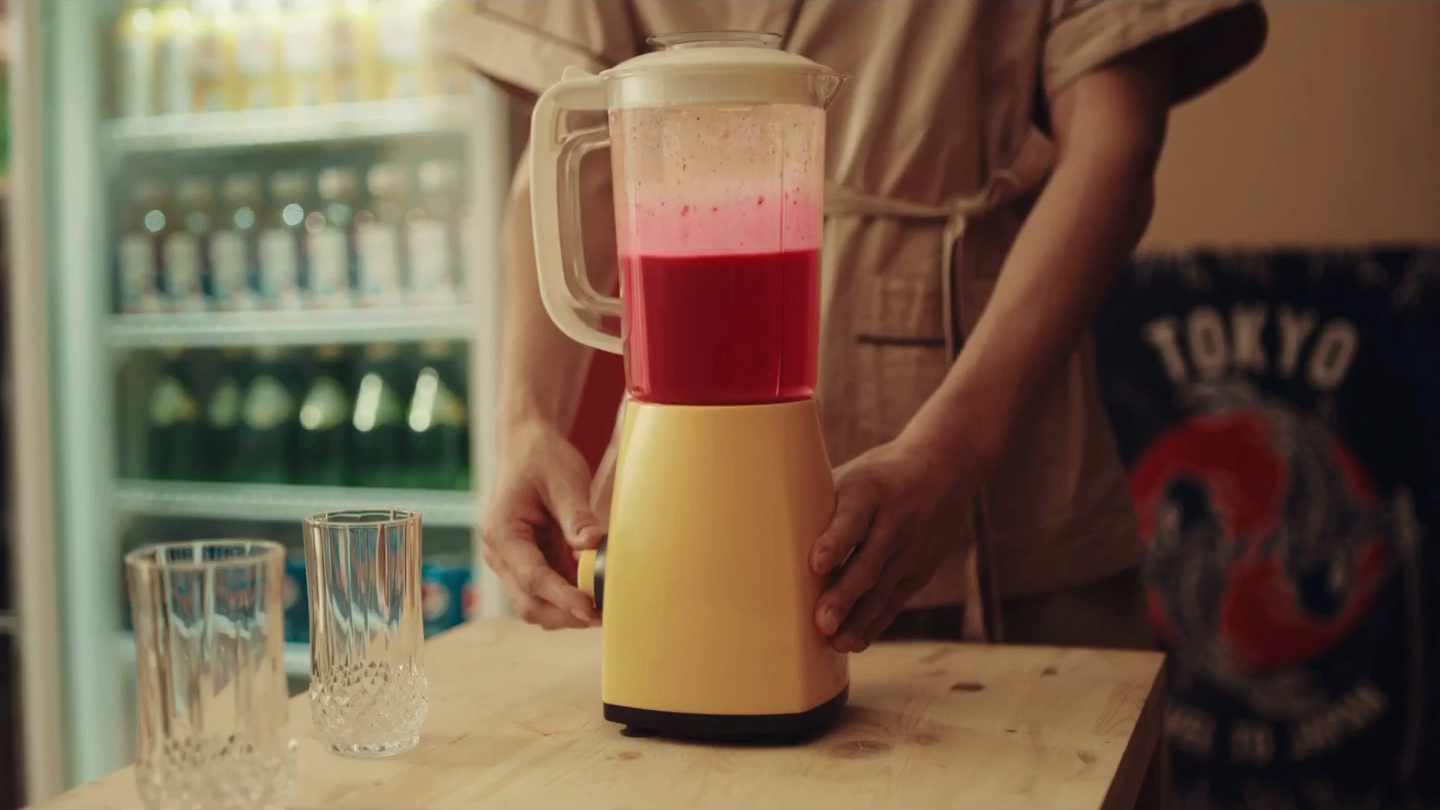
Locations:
(215, 86)
(174, 422)
(223, 415)
(377, 236)
(399, 26)
(431, 234)
(440, 73)
(378, 420)
(232, 244)
(304, 56)
(135, 43)
(185, 266)
(328, 239)
(324, 434)
(350, 35)
(439, 439)
(258, 25)
(138, 259)
(281, 238)
(264, 441)
(175, 51)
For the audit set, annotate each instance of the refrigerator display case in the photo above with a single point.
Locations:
(258, 279)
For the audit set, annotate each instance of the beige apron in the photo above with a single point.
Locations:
(934, 158)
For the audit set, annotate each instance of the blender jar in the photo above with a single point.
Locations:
(717, 151)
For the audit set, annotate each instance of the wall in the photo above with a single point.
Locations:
(1331, 136)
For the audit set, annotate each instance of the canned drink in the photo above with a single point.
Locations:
(442, 593)
(293, 598)
(470, 603)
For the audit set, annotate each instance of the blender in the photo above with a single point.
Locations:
(722, 483)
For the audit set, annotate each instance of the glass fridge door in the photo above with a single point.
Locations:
(270, 234)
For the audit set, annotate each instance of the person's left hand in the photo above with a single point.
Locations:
(886, 504)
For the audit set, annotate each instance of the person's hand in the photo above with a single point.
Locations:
(881, 542)
(539, 510)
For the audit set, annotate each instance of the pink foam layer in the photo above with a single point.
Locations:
(758, 224)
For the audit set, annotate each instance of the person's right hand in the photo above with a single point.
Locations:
(539, 511)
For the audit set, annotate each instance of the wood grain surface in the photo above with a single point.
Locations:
(515, 722)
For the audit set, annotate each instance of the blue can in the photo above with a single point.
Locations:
(443, 583)
(297, 606)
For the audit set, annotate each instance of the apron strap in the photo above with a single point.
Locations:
(1025, 173)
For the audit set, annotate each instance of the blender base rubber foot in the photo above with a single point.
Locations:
(737, 728)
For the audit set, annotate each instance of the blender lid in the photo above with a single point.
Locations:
(711, 66)
(717, 50)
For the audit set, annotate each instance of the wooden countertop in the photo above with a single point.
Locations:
(515, 722)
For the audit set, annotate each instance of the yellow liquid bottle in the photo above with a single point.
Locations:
(352, 62)
(399, 27)
(135, 46)
(303, 54)
(216, 83)
(175, 57)
(258, 25)
(441, 74)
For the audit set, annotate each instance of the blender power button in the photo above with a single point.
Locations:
(590, 574)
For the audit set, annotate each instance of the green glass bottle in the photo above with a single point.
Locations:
(377, 438)
(223, 415)
(174, 422)
(322, 454)
(439, 439)
(265, 440)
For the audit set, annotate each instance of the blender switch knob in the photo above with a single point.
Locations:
(590, 574)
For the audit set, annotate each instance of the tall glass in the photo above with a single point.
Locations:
(209, 644)
(368, 693)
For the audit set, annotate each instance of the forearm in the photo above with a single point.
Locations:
(542, 371)
(1064, 260)
(1109, 128)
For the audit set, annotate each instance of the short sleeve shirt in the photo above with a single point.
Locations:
(935, 148)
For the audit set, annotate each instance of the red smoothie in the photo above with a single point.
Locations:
(721, 329)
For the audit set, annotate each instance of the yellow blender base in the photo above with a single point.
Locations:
(704, 585)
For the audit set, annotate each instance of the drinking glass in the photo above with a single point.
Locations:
(368, 693)
(209, 649)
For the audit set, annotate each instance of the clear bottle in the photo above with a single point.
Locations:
(215, 88)
(186, 269)
(322, 456)
(258, 27)
(399, 26)
(281, 240)
(175, 32)
(329, 230)
(378, 421)
(431, 235)
(439, 441)
(352, 65)
(174, 422)
(233, 264)
(377, 236)
(305, 57)
(264, 441)
(135, 44)
(137, 258)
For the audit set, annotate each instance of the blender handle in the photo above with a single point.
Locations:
(565, 286)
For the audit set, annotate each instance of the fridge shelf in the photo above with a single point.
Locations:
(285, 502)
(356, 121)
(297, 656)
(293, 328)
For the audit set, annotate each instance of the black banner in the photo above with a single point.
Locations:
(1279, 413)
